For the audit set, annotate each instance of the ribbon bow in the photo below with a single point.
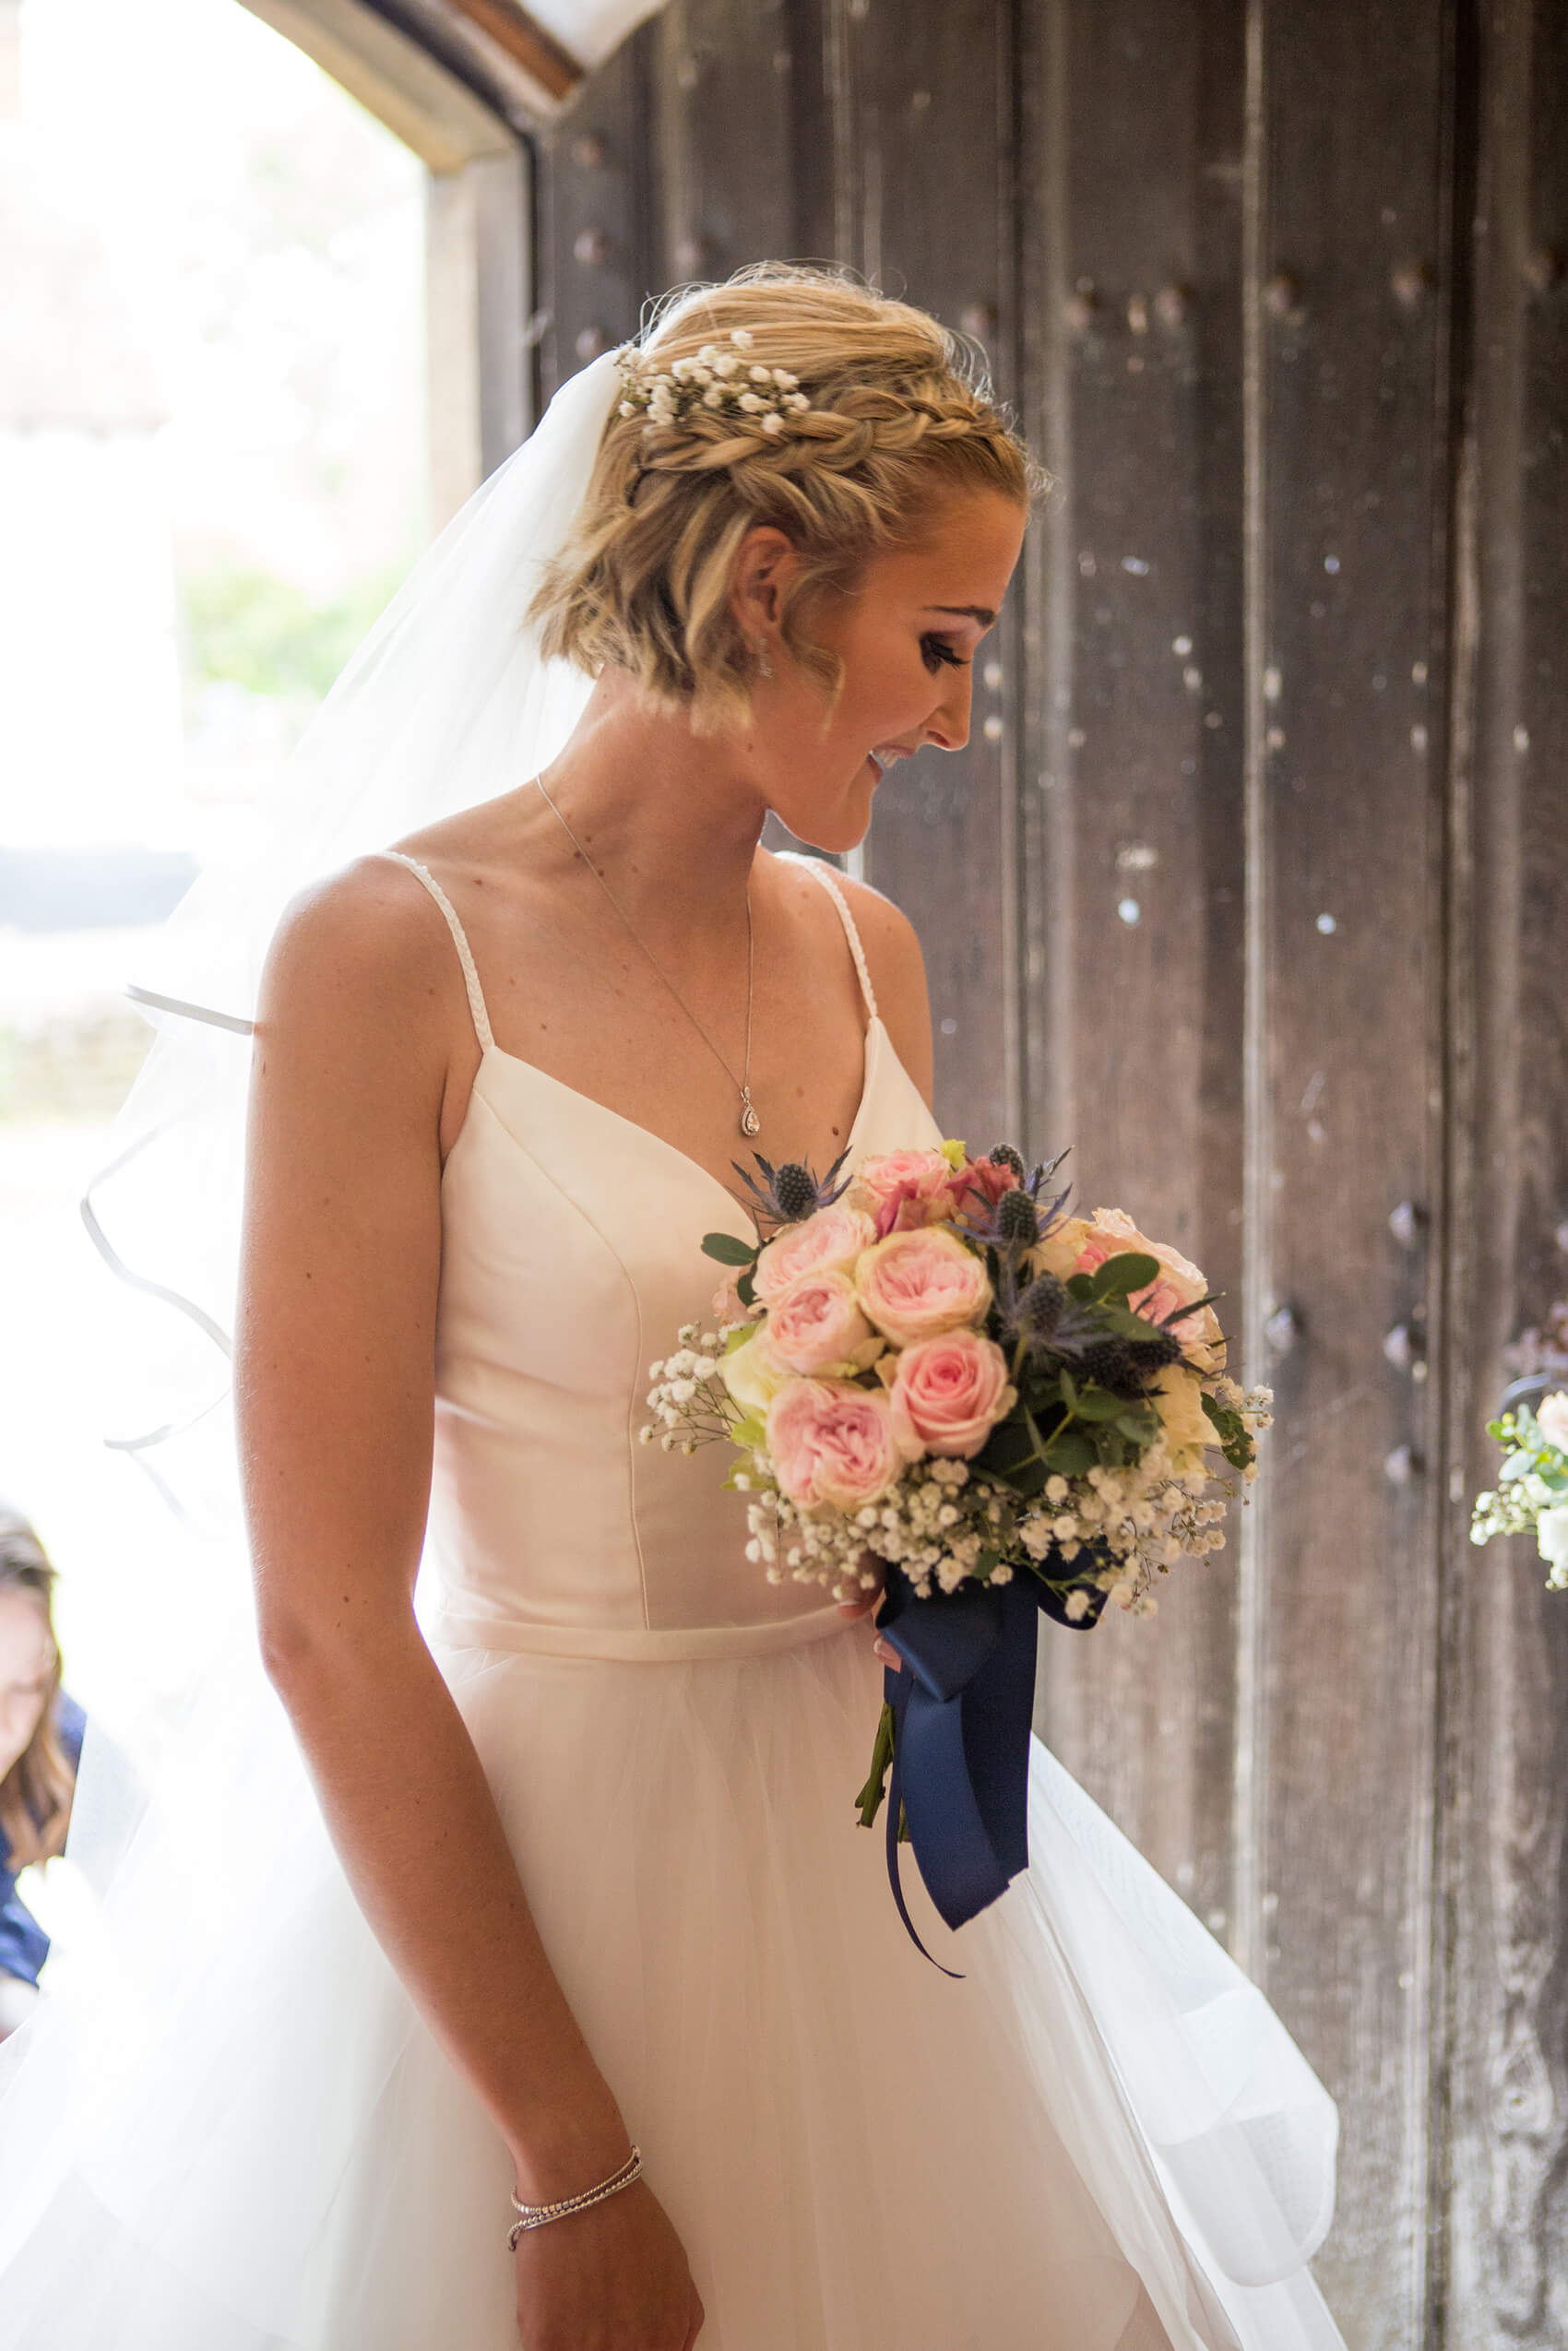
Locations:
(963, 1710)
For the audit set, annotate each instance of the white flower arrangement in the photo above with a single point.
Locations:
(717, 379)
(1531, 1497)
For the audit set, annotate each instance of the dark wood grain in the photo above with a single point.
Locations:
(1132, 780)
(594, 206)
(1356, 481)
(1507, 1855)
(931, 163)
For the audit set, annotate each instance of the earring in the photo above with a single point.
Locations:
(764, 666)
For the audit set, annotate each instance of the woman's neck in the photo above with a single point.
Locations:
(667, 816)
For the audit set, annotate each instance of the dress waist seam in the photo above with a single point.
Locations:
(634, 1644)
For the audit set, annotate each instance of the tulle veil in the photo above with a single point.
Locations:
(193, 1810)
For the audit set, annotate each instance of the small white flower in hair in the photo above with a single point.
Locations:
(742, 337)
(760, 374)
(751, 402)
(773, 422)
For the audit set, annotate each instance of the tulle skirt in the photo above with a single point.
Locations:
(230, 2131)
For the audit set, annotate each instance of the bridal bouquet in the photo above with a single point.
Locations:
(938, 1383)
(1532, 1496)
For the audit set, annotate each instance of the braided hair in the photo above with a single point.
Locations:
(891, 418)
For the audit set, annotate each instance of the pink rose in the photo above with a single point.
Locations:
(981, 1182)
(726, 1306)
(914, 1285)
(817, 1323)
(908, 1188)
(1551, 1418)
(828, 1242)
(1179, 1283)
(832, 1444)
(949, 1392)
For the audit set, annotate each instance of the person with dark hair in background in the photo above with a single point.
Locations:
(41, 1745)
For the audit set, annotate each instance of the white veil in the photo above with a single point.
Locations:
(447, 702)
(195, 1822)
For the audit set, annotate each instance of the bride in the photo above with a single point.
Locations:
(565, 1901)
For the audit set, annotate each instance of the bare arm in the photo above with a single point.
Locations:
(335, 1388)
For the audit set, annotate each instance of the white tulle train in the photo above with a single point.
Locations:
(262, 2149)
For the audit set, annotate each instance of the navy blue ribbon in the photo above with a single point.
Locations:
(963, 1709)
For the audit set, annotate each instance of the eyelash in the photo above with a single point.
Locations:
(939, 653)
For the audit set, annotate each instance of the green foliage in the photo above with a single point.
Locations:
(257, 630)
(725, 1247)
(1229, 1431)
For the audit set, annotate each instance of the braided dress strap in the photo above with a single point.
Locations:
(825, 874)
(459, 939)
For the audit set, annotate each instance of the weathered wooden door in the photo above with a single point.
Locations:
(1253, 885)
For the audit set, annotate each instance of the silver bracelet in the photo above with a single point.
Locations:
(541, 2215)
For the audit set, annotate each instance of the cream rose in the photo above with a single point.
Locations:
(949, 1392)
(1188, 1429)
(816, 1324)
(832, 1444)
(1058, 1253)
(1551, 1418)
(914, 1285)
(828, 1242)
(752, 1371)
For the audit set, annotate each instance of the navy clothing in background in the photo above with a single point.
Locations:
(24, 1946)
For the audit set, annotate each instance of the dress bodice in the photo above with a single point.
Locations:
(571, 1256)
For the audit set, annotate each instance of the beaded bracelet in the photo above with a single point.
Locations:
(540, 2216)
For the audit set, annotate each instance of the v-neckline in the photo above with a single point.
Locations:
(876, 1040)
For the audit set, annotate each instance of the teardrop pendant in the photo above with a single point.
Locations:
(750, 1123)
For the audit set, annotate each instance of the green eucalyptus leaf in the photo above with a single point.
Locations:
(745, 1289)
(1070, 1455)
(1129, 1269)
(728, 1249)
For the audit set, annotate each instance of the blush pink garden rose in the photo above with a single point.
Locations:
(828, 1242)
(816, 1325)
(832, 1444)
(1551, 1418)
(949, 1392)
(905, 1190)
(916, 1285)
(1179, 1283)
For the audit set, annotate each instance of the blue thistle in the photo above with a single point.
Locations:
(788, 1194)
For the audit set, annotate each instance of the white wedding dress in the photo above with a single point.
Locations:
(1101, 2139)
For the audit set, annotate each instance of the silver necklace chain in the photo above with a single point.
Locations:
(750, 1123)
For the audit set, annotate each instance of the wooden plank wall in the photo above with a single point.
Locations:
(1505, 1852)
(1252, 887)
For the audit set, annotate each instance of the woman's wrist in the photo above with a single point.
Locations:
(564, 2153)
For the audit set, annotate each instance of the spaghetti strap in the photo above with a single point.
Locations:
(459, 939)
(825, 874)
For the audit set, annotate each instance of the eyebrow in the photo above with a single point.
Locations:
(980, 612)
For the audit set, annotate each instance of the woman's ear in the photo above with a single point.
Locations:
(763, 568)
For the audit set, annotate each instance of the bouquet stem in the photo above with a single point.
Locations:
(869, 1800)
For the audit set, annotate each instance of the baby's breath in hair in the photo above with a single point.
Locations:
(720, 380)
(790, 398)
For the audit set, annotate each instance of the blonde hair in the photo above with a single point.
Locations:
(35, 1794)
(900, 419)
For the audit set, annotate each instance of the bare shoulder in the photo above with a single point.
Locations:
(897, 976)
(362, 958)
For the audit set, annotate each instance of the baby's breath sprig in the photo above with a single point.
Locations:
(719, 379)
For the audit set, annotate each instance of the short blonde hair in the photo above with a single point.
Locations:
(900, 419)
